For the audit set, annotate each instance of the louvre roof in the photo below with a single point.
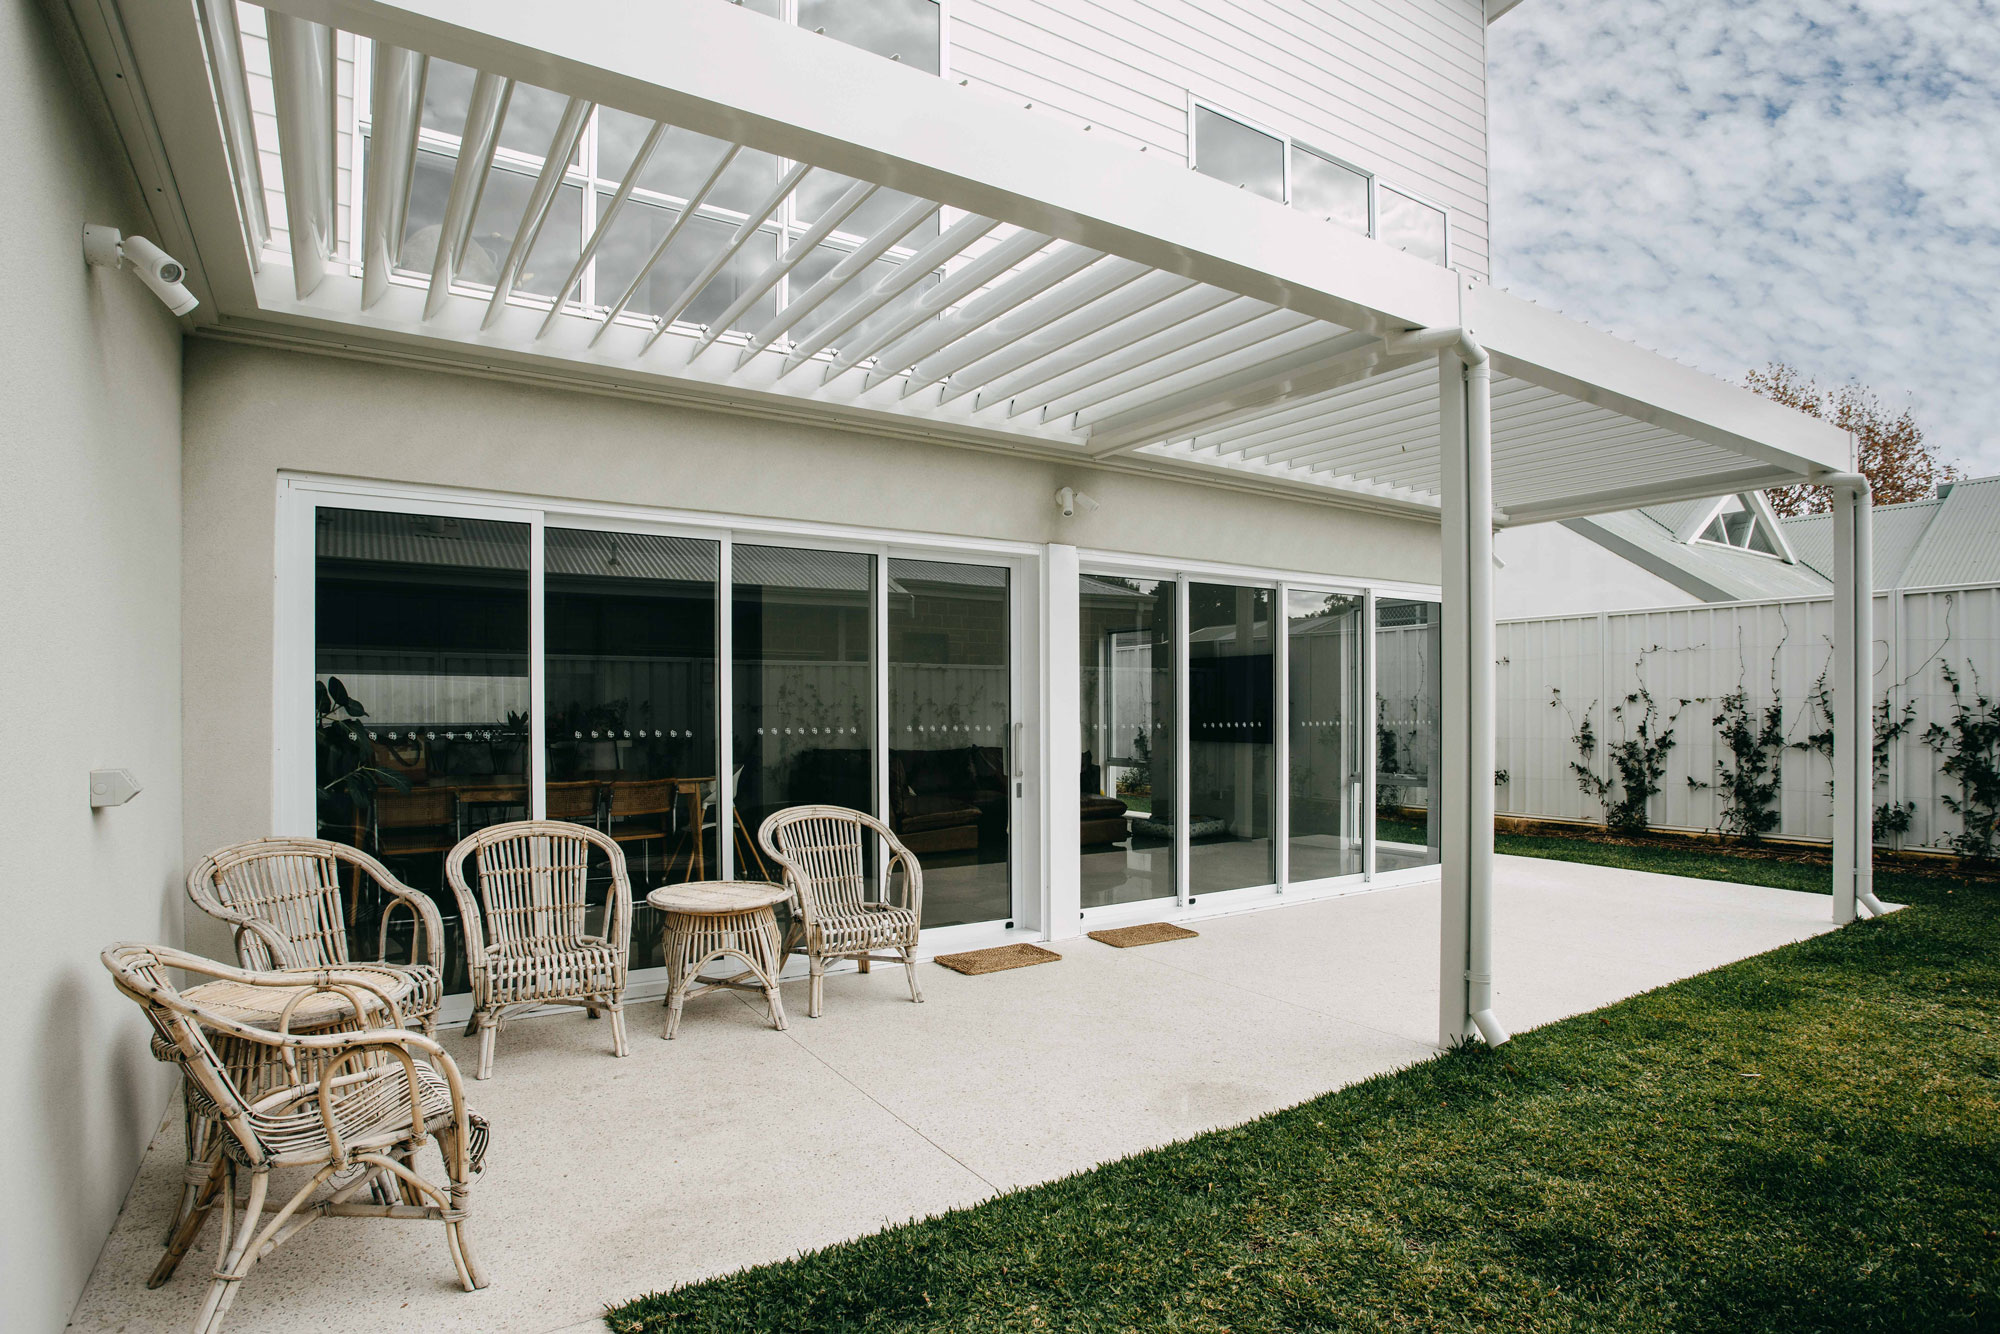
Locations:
(921, 259)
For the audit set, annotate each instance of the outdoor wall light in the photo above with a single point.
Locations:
(106, 248)
(1069, 500)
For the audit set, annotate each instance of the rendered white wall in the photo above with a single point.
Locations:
(89, 677)
(251, 413)
(1547, 570)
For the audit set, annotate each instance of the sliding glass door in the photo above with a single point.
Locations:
(443, 652)
(629, 633)
(421, 683)
(1127, 646)
(951, 753)
(1408, 733)
(1231, 743)
(1326, 718)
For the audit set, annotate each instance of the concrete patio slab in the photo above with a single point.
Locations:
(736, 1145)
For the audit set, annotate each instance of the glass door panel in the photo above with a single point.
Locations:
(803, 731)
(1408, 737)
(421, 661)
(629, 632)
(1231, 746)
(1325, 721)
(951, 763)
(1126, 646)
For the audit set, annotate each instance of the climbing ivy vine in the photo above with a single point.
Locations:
(1969, 746)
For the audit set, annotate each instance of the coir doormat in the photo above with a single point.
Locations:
(997, 960)
(1147, 933)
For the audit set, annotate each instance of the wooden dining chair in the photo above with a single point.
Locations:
(576, 803)
(642, 812)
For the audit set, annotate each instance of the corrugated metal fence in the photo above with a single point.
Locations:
(1554, 673)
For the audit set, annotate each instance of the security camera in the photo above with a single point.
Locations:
(1069, 500)
(106, 248)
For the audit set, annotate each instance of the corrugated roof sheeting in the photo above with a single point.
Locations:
(1898, 530)
(1962, 544)
(1744, 576)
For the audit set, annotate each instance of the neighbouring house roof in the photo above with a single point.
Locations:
(1953, 538)
(1712, 572)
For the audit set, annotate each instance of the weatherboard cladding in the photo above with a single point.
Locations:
(1397, 89)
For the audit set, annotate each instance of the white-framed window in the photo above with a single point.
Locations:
(1745, 523)
(678, 166)
(1265, 161)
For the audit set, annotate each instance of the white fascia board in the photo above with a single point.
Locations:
(153, 71)
(1558, 353)
(1495, 8)
(726, 71)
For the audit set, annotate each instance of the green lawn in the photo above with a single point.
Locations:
(1809, 1140)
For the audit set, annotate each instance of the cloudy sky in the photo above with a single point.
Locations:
(1734, 182)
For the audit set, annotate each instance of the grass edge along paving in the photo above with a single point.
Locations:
(1806, 1140)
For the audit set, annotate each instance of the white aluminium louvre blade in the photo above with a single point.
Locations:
(484, 111)
(1065, 333)
(905, 352)
(720, 260)
(396, 100)
(851, 199)
(302, 85)
(1192, 301)
(1100, 281)
(854, 263)
(1232, 314)
(693, 206)
(920, 265)
(640, 161)
(575, 116)
(232, 89)
(1016, 249)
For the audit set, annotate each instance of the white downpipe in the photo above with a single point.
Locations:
(1478, 797)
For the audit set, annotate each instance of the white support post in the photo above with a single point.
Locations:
(1183, 790)
(1452, 793)
(725, 713)
(1853, 702)
(1062, 708)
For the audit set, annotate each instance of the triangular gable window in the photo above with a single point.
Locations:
(1741, 524)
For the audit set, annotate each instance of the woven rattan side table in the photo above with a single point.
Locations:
(707, 919)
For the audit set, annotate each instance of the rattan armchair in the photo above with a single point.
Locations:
(526, 937)
(821, 849)
(283, 896)
(358, 1109)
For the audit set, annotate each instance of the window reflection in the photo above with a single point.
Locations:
(908, 30)
(1408, 737)
(1234, 153)
(1410, 224)
(804, 679)
(1126, 645)
(421, 633)
(1326, 724)
(950, 734)
(1230, 741)
(1325, 189)
(630, 629)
